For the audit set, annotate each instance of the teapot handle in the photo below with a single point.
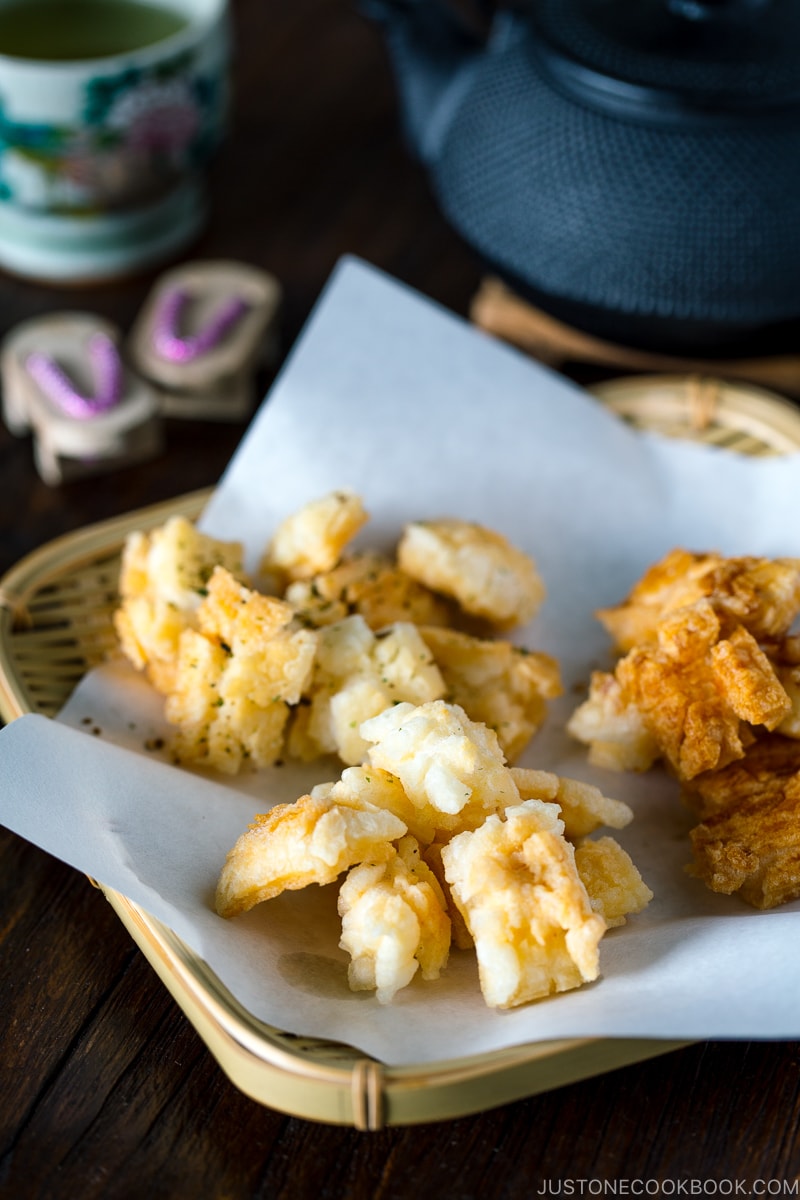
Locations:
(434, 46)
(708, 10)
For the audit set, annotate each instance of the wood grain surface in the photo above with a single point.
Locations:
(106, 1091)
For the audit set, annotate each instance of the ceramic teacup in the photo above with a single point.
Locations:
(109, 113)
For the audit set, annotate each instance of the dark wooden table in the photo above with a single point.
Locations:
(106, 1091)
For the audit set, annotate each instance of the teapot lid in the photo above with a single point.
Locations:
(659, 58)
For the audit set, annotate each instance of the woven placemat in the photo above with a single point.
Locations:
(500, 311)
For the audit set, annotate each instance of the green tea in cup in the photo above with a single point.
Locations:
(74, 30)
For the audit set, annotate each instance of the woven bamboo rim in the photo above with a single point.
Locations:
(55, 624)
(740, 417)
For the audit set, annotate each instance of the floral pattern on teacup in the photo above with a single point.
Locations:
(142, 129)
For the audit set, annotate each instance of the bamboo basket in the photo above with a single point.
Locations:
(55, 625)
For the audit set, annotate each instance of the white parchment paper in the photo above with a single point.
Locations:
(425, 416)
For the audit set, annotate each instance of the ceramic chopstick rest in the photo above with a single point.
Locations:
(202, 334)
(64, 381)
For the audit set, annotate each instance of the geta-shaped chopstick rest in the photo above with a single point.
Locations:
(63, 380)
(202, 333)
(106, 371)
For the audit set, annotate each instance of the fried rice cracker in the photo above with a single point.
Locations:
(615, 887)
(503, 685)
(312, 539)
(761, 594)
(519, 891)
(751, 847)
(394, 922)
(371, 585)
(313, 840)
(699, 693)
(476, 566)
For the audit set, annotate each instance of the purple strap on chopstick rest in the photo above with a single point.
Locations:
(58, 387)
(176, 348)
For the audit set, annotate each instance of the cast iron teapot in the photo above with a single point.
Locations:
(631, 166)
